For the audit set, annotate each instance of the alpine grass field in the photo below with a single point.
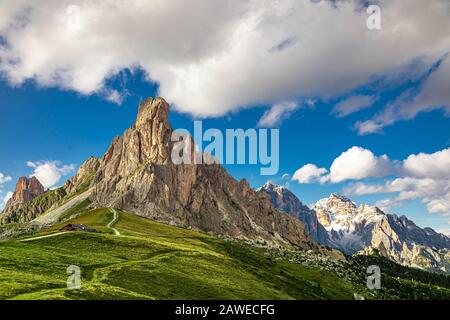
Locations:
(151, 260)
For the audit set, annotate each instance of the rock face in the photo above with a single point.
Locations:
(366, 229)
(29, 200)
(25, 191)
(137, 174)
(84, 176)
(284, 200)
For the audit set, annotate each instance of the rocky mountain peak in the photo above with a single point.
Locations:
(26, 190)
(270, 186)
(137, 174)
(339, 197)
(366, 228)
(153, 110)
(337, 205)
(282, 198)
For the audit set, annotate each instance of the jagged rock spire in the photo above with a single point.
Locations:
(26, 190)
(137, 175)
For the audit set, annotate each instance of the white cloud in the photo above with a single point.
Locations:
(309, 173)
(4, 179)
(435, 193)
(440, 205)
(211, 57)
(354, 164)
(277, 113)
(424, 177)
(352, 105)
(408, 187)
(433, 94)
(435, 165)
(368, 127)
(360, 188)
(444, 231)
(49, 173)
(359, 163)
(114, 96)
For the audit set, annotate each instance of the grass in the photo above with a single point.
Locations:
(150, 260)
(79, 209)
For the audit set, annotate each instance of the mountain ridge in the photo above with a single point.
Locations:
(368, 230)
(284, 200)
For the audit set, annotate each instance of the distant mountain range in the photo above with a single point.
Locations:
(337, 222)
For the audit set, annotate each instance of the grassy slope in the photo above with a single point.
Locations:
(151, 260)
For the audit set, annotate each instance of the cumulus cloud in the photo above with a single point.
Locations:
(4, 179)
(435, 193)
(440, 205)
(352, 105)
(211, 57)
(277, 113)
(435, 165)
(359, 163)
(49, 173)
(310, 173)
(424, 177)
(354, 164)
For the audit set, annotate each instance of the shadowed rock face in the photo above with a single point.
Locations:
(286, 201)
(137, 174)
(25, 191)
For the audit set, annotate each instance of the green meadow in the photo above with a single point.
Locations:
(151, 260)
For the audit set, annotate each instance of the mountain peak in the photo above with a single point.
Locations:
(339, 197)
(270, 186)
(284, 200)
(153, 109)
(137, 174)
(26, 190)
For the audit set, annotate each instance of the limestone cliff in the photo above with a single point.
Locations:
(29, 200)
(26, 190)
(137, 174)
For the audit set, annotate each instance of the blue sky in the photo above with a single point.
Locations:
(361, 111)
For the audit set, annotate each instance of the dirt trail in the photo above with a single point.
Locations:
(113, 221)
(43, 237)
